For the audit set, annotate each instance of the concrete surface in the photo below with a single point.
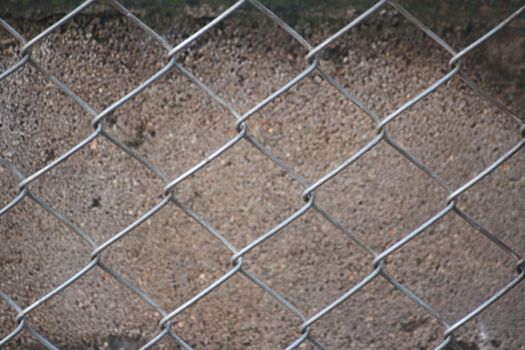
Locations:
(173, 124)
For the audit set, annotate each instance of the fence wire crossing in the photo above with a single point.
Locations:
(377, 259)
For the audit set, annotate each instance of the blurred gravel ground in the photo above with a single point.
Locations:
(243, 194)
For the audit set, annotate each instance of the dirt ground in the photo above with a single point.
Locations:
(173, 124)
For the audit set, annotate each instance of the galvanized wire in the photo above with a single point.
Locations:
(378, 260)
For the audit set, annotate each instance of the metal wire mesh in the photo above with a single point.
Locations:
(378, 260)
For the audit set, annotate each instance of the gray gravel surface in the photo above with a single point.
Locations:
(173, 124)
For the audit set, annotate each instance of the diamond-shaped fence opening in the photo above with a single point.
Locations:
(234, 191)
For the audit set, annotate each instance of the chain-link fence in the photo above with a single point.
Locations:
(378, 260)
